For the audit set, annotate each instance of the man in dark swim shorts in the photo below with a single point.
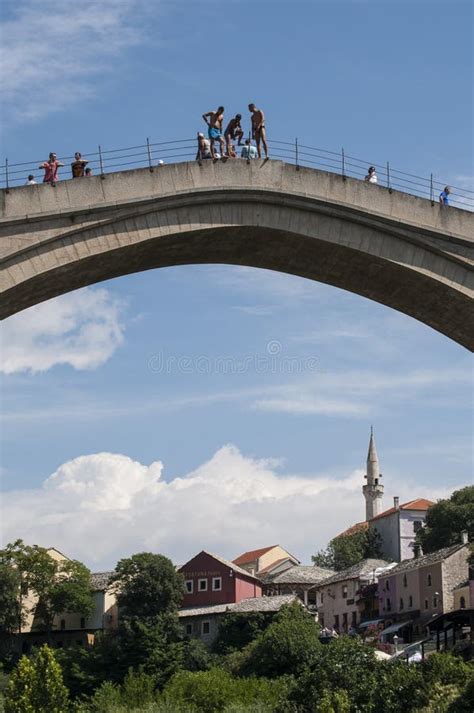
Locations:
(233, 131)
(214, 120)
(258, 129)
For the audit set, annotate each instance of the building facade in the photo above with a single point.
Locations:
(398, 526)
(424, 587)
(203, 622)
(341, 604)
(211, 580)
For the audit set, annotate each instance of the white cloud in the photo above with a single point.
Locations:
(82, 329)
(101, 507)
(55, 52)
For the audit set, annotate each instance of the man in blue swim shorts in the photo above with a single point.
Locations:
(214, 120)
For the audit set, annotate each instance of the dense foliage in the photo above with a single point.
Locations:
(147, 585)
(58, 586)
(36, 685)
(260, 664)
(447, 519)
(346, 550)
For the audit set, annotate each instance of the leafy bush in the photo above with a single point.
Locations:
(36, 685)
(444, 668)
(287, 646)
(215, 690)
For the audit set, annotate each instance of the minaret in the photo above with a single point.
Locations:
(373, 491)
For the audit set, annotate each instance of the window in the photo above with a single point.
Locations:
(389, 605)
(189, 629)
(344, 621)
(189, 586)
(417, 525)
(387, 585)
(322, 597)
(83, 623)
(216, 584)
(426, 604)
(354, 618)
(401, 603)
(202, 585)
(63, 624)
(405, 581)
(435, 602)
(344, 591)
(336, 621)
(206, 628)
(462, 603)
(410, 601)
(429, 580)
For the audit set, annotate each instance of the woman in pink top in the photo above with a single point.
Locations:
(51, 169)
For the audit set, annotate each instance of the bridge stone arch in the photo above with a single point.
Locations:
(390, 247)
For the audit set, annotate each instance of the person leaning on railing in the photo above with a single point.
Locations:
(78, 165)
(443, 196)
(50, 168)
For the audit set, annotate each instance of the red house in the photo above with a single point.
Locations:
(210, 579)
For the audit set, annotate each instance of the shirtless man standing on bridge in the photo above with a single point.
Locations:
(258, 129)
(214, 120)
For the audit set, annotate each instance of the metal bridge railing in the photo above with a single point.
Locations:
(149, 154)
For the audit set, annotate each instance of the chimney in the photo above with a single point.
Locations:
(464, 537)
(396, 502)
(417, 551)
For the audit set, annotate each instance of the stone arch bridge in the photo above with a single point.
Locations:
(391, 247)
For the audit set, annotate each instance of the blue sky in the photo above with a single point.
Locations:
(242, 459)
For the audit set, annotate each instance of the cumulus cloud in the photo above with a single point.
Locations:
(82, 329)
(55, 52)
(104, 506)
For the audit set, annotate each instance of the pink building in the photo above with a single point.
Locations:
(210, 579)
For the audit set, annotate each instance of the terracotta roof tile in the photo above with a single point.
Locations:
(252, 555)
(418, 504)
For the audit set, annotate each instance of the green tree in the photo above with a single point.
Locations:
(147, 585)
(60, 586)
(10, 598)
(50, 693)
(446, 519)
(346, 550)
(287, 646)
(36, 685)
(344, 664)
(19, 693)
(238, 630)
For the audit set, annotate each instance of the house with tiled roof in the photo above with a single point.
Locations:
(203, 622)
(266, 560)
(301, 580)
(423, 587)
(348, 597)
(398, 526)
(212, 580)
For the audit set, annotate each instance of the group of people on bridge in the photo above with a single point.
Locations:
(52, 166)
(206, 148)
(232, 132)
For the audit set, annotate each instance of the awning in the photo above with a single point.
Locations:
(372, 622)
(395, 627)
